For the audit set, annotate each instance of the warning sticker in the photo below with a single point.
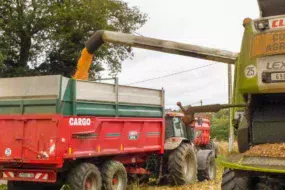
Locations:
(8, 152)
(268, 44)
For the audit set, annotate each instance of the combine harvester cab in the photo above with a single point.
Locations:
(54, 127)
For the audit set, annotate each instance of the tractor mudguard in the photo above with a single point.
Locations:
(202, 156)
(174, 142)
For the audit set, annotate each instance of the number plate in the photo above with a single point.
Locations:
(26, 175)
(277, 77)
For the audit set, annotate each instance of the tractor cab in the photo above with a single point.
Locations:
(198, 132)
(174, 125)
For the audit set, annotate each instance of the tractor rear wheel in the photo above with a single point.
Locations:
(231, 181)
(182, 165)
(210, 171)
(114, 176)
(85, 176)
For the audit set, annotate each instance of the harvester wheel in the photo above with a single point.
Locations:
(114, 176)
(210, 171)
(182, 165)
(232, 182)
(85, 176)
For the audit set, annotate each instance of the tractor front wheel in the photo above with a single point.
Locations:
(210, 171)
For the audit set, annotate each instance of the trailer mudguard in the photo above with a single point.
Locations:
(202, 156)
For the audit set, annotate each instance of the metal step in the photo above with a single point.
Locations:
(271, 7)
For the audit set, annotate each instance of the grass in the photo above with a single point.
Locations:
(211, 185)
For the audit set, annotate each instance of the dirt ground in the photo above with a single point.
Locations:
(211, 185)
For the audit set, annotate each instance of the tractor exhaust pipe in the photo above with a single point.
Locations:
(100, 37)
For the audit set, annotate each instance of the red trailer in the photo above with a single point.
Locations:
(56, 131)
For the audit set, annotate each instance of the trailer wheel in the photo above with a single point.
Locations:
(210, 171)
(85, 176)
(13, 185)
(114, 176)
(20, 185)
(182, 165)
(232, 182)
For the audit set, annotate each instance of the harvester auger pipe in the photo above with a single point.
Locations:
(208, 108)
(190, 111)
(100, 37)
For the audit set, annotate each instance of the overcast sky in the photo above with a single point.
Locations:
(212, 23)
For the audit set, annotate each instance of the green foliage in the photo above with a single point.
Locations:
(220, 125)
(46, 36)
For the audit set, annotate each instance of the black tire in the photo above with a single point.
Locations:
(138, 178)
(231, 181)
(19, 185)
(210, 172)
(13, 185)
(262, 186)
(114, 170)
(213, 146)
(83, 175)
(182, 165)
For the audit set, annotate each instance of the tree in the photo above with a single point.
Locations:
(220, 125)
(46, 36)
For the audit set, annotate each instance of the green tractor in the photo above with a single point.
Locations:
(258, 102)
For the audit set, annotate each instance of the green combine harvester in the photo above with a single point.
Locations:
(259, 84)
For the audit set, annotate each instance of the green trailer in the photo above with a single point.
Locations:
(57, 94)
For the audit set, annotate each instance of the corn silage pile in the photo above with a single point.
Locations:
(267, 150)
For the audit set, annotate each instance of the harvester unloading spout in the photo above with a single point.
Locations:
(190, 111)
(101, 37)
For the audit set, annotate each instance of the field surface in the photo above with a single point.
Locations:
(209, 185)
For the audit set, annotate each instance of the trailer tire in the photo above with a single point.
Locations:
(182, 165)
(20, 185)
(85, 174)
(210, 171)
(12, 185)
(114, 176)
(232, 182)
